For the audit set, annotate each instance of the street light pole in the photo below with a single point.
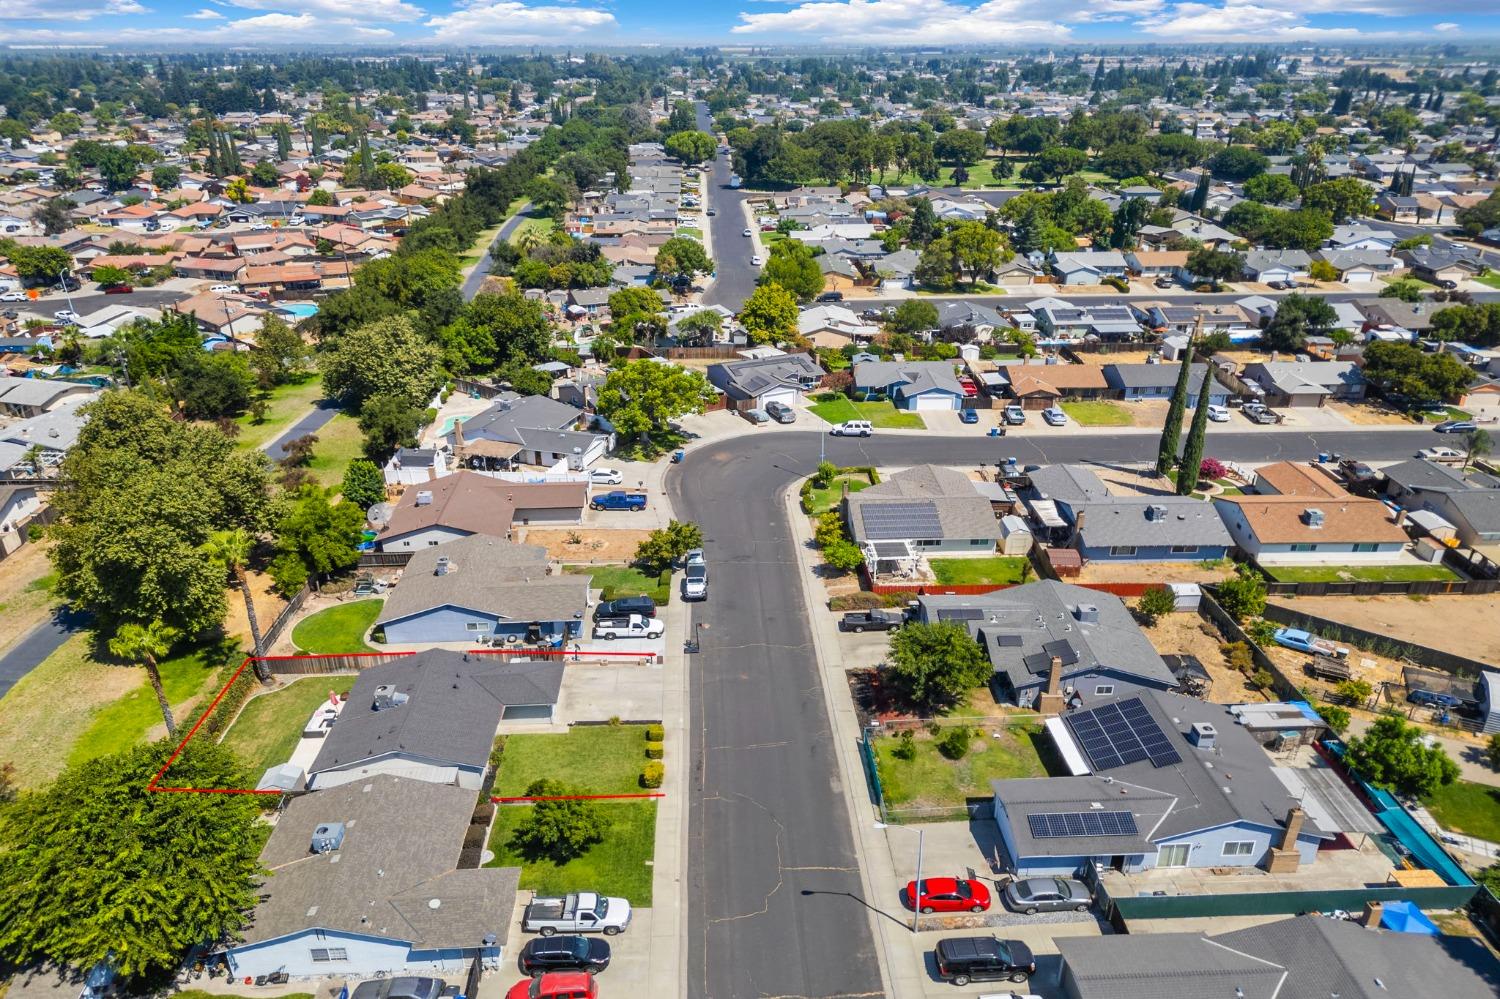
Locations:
(916, 892)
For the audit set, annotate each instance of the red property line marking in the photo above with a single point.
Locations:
(194, 731)
(574, 797)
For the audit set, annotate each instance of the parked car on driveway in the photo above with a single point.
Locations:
(67, 316)
(1054, 416)
(403, 987)
(871, 620)
(968, 416)
(224, 288)
(1456, 427)
(1014, 415)
(947, 895)
(579, 912)
(606, 476)
(781, 412)
(619, 500)
(626, 606)
(568, 953)
(961, 960)
(1218, 414)
(634, 626)
(556, 985)
(1033, 895)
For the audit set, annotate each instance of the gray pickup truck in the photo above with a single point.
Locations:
(871, 620)
(577, 912)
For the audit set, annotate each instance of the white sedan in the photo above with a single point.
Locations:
(606, 476)
(220, 289)
(67, 316)
(13, 296)
(757, 260)
(746, 233)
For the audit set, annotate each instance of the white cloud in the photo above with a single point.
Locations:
(905, 22)
(66, 10)
(206, 15)
(501, 22)
(272, 28)
(1261, 20)
(1445, 27)
(350, 11)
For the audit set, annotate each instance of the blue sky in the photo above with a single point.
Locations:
(886, 23)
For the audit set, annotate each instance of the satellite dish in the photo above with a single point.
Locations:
(379, 514)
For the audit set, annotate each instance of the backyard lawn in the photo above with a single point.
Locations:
(337, 629)
(822, 500)
(625, 581)
(1359, 573)
(1098, 413)
(964, 571)
(132, 719)
(270, 726)
(592, 759)
(620, 865)
(340, 441)
(933, 780)
(285, 404)
(1469, 808)
(885, 416)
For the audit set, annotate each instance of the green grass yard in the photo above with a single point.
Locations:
(933, 780)
(132, 719)
(337, 629)
(269, 726)
(284, 406)
(620, 864)
(1491, 279)
(1360, 573)
(822, 500)
(593, 759)
(340, 441)
(1469, 808)
(884, 415)
(1097, 413)
(625, 581)
(543, 225)
(978, 571)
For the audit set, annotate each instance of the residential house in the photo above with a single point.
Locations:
(1266, 266)
(416, 465)
(1468, 500)
(18, 504)
(1105, 527)
(464, 503)
(52, 432)
(1359, 237)
(1441, 266)
(484, 589)
(1392, 313)
(528, 430)
(1398, 208)
(1158, 263)
(1316, 523)
(431, 717)
(1037, 386)
(1096, 644)
(834, 326)
(1306, 383)
(923, 510)
(913, 385)
(1088, 267)
(1360, 266)
(110, 319)
(1156, 381)
(364, 881)
(754, 382)
(34, 396)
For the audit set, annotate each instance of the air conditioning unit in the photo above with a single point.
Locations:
(424, 497)
(387, 696)
(1203, 735)
(1313, 517)
(1156, 512)
(1087, 614)
(443, 567)
(328, 837)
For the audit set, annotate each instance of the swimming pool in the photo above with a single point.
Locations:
(302, 310)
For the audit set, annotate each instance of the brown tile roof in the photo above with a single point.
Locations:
(1062, 376)
(1277, 520)
(1295, 478)
(478, 504)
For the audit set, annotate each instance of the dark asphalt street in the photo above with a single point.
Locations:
(731, 251)
(311, 423)
(36, 645)
(476, 279)
(86, 302)
(774, 906)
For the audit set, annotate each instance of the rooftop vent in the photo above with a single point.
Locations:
(444, 566)
(328, 837)
(1156, 512)
(424, 497)
(1087, 614)
(387, 696)
(1312, 517)
(1202, 735)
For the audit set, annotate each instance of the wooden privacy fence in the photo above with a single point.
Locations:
(271, 635)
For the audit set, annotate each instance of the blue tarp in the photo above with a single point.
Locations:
(1405, 917)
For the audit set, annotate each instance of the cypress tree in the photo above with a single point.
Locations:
(1200, 195)
(1171, 433)
(211, 161)
(1192, 451)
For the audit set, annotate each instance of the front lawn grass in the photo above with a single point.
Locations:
(1359, 573)
(269, 727)
(591, 759)
(620, 865)
(340, 441)
(979, 571)
(337, 629)
(933, 780)
(285, 404)
(1097, 413)
(883, 415)
(1469, 808)
(818, 501)
(1492, 279)
(625, 581)
(131, 719)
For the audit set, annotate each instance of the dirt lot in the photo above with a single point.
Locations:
(1187, 633)
(268, 604)
(1100, 358)
(1154, 572)
(1464, 626)
(24, 599)
(1369, 414)
(591, 545)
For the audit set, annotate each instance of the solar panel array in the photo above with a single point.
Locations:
(1056, 825)
(1113, 735)
(960, 614)
(889, 521)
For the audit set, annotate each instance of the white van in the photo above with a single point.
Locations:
(1218, 414)
(853, 428)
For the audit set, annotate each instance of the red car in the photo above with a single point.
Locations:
(948, 895)
(118, 289)
(556, 985)
(967, 384)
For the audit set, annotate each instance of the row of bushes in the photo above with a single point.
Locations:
(654, 772)
(231, 656)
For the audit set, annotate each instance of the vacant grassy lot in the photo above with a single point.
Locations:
(1466, 807)
(543, 226)
(285, 404)
(1097, 413)
(592, 759)
(839, 409)
(1359, 573)
(620, 865)
(270, 726)
(136, 717)
(340, 441)
(825, 499)
(617, 581)
(340, 628)
(1000, 569)
(933, 780)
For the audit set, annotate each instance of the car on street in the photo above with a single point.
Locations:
(223, 289)
(556, 985)
(877, 619)
(67, 316)
(712, 212)
(625, 606)
(852, 428)
(605, 476)
(695, 577)
(968, 416)
(1218, 414)
(13, 296)
(570, 953)
(961, 960)
(1442, 455)
(1033, 895)
(831, 296)
(947, 895)
(118, 289)
(619, 500)
(1054, 416)
(1014, 415)
(1163, 282)
(403, 987)
(746, 233)
(1456, 427)
(634, 626)
(757, 260)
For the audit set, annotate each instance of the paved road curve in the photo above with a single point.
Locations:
(475, 280)
(774, 905)
(731, 251)
(36, 645)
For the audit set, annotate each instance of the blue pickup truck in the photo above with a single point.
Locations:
(619, 500)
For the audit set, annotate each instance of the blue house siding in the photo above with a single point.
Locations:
(1206, 846)
(1157, 553)
(1218, 395)
(449, 623)
(1031, 867)
(904, 401)
(1086, 683)
(363, 956)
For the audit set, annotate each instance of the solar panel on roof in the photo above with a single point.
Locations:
(1062, 649)
(960, 614)
(1057, 825)
(1113, 735)
(888, 521)
(1008, 641)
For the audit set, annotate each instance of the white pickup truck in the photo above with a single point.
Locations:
(578, 912)
(634, 626)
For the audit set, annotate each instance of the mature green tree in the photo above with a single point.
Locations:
(959, 147)
(1340, 199)
(1477, 444)
(690, 146)
(769, 315)
(390, 176)
(54, 215)
(1126, 159)
(148, 644)
(914, 315)
(1302, 229)
(639, 397)
(793, 266)
(37, 264)
(1243, 596)
(142, 493)
(211, 384)
(389, 422)
(1054, 163)
(1271, 189)
(264, 174)
(108, 275)
(1394, 755)
(321, 198)
(1237, 163)
(280, 354)
(315, 537)
(1477, 325)
(938, 267)
(665, 546)
(96, 869)
(1171, 431)
(1155, 604)
(1411, 371)
(118, 166)
(977, 249)
(385, 357)
(636, 313)
(1297, 317)
(1215, 266)
(561, 826)
(233, 550)
(363, 485)
(1192, 451)
(700, 326)
(681, 258)
(934, 665)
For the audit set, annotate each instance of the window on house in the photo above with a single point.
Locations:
(1239, 848)
(322, 954)
(1366, 546)
(1184, 549)
(1104, 688)
(432, 544)
(478, 626)
(1126, 550)
(1304, 548)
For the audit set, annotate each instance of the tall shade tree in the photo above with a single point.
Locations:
(1192, 451)
(232, 549)
(769, 314)
(148, 644)
(95, 868)
(386, 357)
(639, 397)
(1171, 431)
(793, 266)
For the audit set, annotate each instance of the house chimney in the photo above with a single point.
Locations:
(1051, 701)
(458, 434)
(1054, 676)
(1077, 527)
(1284, 859)
(1294, 817)
(1370, 918)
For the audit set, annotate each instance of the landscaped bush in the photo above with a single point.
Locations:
(653, 774)
(655, 733)
(1262, 679)
(655, 750)
(955, 745)
(864, 600)
(906, 747)
(497, 753)
(1261, 632)
(1239, 656)
(1212, 468)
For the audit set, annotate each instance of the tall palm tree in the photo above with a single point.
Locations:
(232, 549)
(528, 239)
(145, 644)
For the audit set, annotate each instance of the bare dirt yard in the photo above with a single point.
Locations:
(1188, 634)
(25, 596)
(1370, 414)
(1462, 625)
(1155, 572)
(578, 546)
(268, 604)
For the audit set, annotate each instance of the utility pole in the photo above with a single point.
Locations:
(916, 895)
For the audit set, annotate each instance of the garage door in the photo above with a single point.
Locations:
(933, 400)
(786, 397)
(528, 712)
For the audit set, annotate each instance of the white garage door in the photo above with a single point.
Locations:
(934, 400)
(785, 396)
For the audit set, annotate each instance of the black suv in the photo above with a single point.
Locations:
(564, 954)
(962, 960)
(626, 606)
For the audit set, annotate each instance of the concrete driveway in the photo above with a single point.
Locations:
(599, 693)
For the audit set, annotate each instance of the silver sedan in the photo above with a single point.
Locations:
(1034, 895)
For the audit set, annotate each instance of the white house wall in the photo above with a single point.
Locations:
(399, 766)
(365, 957)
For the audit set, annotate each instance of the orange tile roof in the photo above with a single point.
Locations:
(1278, 520)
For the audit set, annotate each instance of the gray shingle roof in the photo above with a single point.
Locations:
(749, 379)
(1121, 520)
(490, 575)
(909, 377)
(512, 414)
(1128, 376)
(959, 511)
